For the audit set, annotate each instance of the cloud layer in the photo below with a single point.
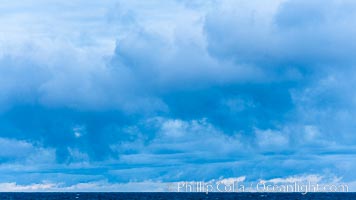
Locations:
(116, 92)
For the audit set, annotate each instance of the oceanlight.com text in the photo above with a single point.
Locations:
(304, 188)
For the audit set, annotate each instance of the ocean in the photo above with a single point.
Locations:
(177, 196)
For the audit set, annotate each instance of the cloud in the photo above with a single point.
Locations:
(176, 90)
(23, 152)
(269, 139)
(233, 184)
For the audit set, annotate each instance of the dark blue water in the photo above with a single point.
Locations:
(178, 196)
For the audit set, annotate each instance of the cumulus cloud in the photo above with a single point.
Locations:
(176, 90)
(233, 184)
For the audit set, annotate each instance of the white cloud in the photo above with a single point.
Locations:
(272, 139)
(241, 184)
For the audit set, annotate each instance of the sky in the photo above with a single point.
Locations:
(117, 95)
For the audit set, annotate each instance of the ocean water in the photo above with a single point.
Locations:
(178, 196)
